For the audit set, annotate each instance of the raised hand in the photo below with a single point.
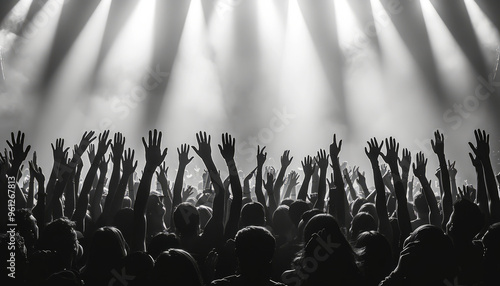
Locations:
(374, 151)
(17, 146)
(227, 147)
(451, 169)
(331, 183)
(36, 171)
(204, 150)
(293, 179)
(322, 159)
(187, 192)
(466, 193)
(118, 146)
(103, 144)
(184, 159)
(361, 178)
(438, 143)
(261, 156)
(87, 138)
(482, 150)
(335, 147)
(419, 168)
(128, 163)
(391, 157)
(405, 161)
(59, 152)
(154, 155)
(285, 159)
(91, 153)
(103, 165)
(249, 176)
(270, 183)
(307, 166)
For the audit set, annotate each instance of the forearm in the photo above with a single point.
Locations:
(113, 183)
(179, 182)
(447, 200)
(235, 210)
(258, 187)
(482, 197)
(83, 199)
(434, 216)
(492, 190)
(118, 198)
(320, 202)
(95, 204)
(383, 226)
(350, 187)
(31, 192)
(69, 195)
(278, 185)
(402, 211)
(143, 192)
(303, 188)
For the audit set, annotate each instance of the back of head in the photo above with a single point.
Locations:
(421, 205)
(253, 214)
(162, 242)
(107, 249)
(205, 215)
(466, 221)
(60, 236)
(122, 221)
(431, 256)
(186, 219)
(176, 267)
(327, 224)
(297, 209)
(357, 204)
(371, 209)
(281, 220)
(64, 278)
(374, 255)
(360, 223)
(254, 250)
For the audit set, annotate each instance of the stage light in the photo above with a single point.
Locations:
(486, 32)
(12, 24)
(456, 72)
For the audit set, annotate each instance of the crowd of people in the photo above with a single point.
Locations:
(109, 227)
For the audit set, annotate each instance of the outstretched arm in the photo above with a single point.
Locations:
(285, 162)
(154, 157)
(214, 230)
(95, 204)
(83, 199)
(261, 158)
(227, 151)
(184, 160)
(323, 167)
(482, 151)
(419, 171)
(246, 184)
(391, 158)
(482, 196)
(384, 226)
(117, 151)
(307, 166)
(339, 196)
(128, 169)
(446, 200)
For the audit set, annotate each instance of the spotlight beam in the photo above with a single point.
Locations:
(170, 19)
(363, 11)
(318, 16)
(410, 24)
(5, 7)
(74, 17)
(119, 12)
(457, 19)
(491, 8)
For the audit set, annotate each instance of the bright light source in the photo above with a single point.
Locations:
(486, 32)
